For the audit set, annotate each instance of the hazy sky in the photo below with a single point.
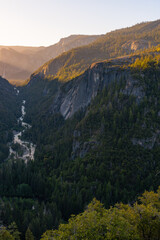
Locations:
(44, 22)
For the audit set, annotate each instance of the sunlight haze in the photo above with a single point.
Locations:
(44, 22)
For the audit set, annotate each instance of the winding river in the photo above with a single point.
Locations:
(20, 149)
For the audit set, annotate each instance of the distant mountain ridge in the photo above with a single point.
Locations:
(24, 60)
(114, 44)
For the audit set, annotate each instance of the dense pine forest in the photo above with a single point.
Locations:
(9, 111)
(123, 221)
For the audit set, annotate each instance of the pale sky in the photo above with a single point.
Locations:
(44, 22)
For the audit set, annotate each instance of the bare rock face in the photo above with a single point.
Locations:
(133, 88)
(137, 45)
(79, 148)
(147, 143)
(78, 93)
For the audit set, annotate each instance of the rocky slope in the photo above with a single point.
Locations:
(79, 93)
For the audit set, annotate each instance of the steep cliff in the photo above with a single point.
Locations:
(57, 100)
(79, 93)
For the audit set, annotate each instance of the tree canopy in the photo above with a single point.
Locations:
(122, 222)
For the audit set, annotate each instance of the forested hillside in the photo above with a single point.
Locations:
(9, 111)
(123, 222)
(139, 221)
(108, 149)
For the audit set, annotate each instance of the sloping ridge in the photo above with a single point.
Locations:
(28, 59)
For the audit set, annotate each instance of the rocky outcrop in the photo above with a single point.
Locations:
(133, 88)
(79, 148)
(134, 45)
(147, 143)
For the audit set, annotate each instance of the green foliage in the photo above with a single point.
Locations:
(5, 235)
(123, 222)
(146, 62)
(13, 230)
(10, 233)
(29, 235)
(88, 225)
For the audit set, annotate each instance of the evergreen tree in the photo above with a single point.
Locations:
(13, 229)
(5, 234)
(29, 235)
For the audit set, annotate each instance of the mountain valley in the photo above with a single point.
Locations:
(94, 118)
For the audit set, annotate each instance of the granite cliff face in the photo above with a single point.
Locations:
(78, 93)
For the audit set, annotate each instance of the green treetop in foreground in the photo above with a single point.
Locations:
(121, 222)
(10, 233)
(29, 235)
